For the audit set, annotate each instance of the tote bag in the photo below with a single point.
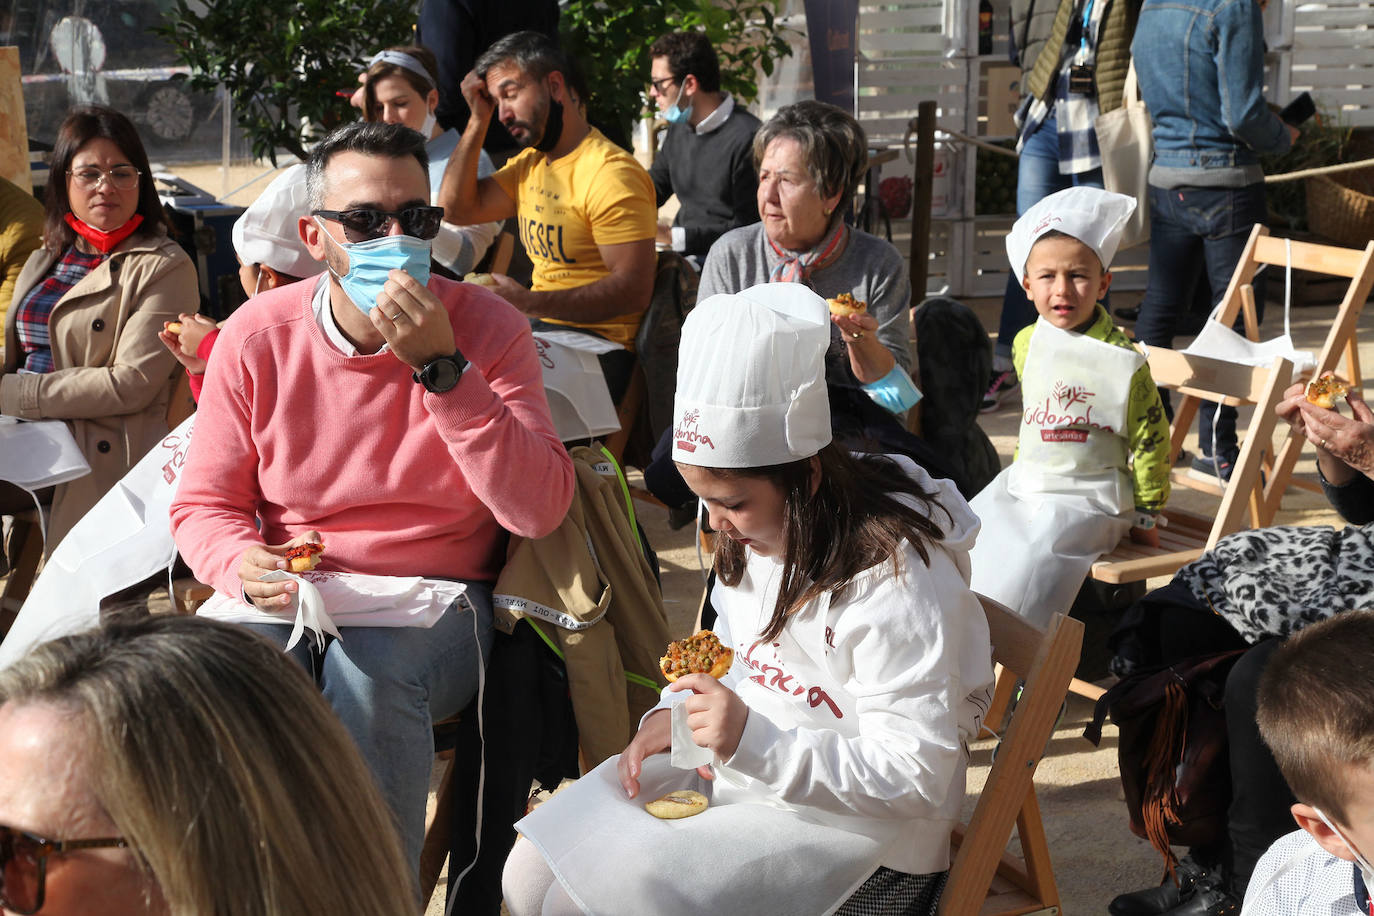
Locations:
(1127, 148)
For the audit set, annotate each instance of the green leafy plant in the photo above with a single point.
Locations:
(610, 42)
(284, 63)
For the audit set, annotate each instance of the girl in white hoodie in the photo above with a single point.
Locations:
(834, 750)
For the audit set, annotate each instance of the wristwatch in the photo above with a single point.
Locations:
(441, 374)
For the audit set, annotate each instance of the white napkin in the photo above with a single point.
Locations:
(39, 453)
(686, 753)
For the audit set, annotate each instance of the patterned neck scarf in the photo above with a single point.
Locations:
(797, 266)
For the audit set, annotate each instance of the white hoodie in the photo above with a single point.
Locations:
(861, 711)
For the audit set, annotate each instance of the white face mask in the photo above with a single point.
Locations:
(427, 127)
(1366, 872)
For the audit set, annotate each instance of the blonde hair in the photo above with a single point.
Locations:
(217, 759)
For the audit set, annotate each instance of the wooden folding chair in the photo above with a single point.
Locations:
(1185, 535)
(1338, 347)
(985, 878)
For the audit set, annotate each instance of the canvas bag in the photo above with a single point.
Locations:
(1172, 749)
(1126, 145)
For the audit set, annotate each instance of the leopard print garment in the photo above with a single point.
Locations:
(1275, 581)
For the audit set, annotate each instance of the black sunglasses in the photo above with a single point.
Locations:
(363, 223)
(24, 865)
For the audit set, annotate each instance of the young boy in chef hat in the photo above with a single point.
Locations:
(1092, 454)
(835, 747)
(270, 253)
(1316, 713)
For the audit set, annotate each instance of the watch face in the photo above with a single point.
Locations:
(441, 375)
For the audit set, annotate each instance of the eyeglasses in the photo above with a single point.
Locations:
(363, 223)
(88, 178)
(666, 81)
(24, 865)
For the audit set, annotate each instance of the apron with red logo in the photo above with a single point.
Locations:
(1067, 498)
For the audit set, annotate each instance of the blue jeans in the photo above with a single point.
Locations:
(1197, 235)
(388, 686)
(1037, 177)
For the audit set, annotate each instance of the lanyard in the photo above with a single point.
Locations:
(1083, 35)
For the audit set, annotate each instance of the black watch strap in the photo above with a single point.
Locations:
(441, 374)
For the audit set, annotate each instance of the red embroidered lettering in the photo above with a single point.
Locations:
(687, 437)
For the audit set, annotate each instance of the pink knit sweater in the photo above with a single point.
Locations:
(398, 481)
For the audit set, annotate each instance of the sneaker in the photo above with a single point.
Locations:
(1220, 467)
(1003, 384)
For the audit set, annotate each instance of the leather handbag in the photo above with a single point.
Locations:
(1172, 749)
(1126, 145)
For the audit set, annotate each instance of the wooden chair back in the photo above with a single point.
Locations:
(1184, 536)
(984, 877)
(1338, 354)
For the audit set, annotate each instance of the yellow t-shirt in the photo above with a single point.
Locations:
(595, 195)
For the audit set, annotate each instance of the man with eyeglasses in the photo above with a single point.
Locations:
(399, 420)
(585, 206)
(707, 156)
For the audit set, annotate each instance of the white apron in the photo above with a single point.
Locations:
(1067, 498)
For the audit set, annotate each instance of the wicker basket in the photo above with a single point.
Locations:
(1340, 213)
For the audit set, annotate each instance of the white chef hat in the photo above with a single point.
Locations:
(266, 233)
(1095, 217)
(751, 379)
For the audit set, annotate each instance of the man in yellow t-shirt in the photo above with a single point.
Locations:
(586, 208)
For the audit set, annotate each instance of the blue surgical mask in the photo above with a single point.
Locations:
(369, 263)
(676, 114)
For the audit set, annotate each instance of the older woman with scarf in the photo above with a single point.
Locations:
(811, 157)
(81, 336)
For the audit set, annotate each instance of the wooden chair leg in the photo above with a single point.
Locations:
(438, 835)
(1002, 696)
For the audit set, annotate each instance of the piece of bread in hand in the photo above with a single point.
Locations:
(1325, 390)
(304, 557)
(480, 279)
(700, 653)
(846, 305)
(682, 803)
(173, 327)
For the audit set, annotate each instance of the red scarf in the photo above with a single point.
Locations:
(102, 241)
(796, 267)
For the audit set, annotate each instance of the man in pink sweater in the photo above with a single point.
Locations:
(401, 422)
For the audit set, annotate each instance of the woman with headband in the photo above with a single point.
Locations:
(400, 88)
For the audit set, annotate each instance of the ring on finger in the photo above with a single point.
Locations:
(1323, 443)
(398, 316)
(856, 335)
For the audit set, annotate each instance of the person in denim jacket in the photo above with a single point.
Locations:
(1201, 69)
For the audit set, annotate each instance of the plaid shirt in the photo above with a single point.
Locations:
(1075, 116)
(31, 318)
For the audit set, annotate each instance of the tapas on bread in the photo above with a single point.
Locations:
(173, 327)
(700, 653)
(304, 557)
(1325, 390)
(682, 803)
(480, 279)
(846, 305)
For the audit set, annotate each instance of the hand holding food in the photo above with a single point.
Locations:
(682, 803)
(480, 280)
(700, 653)
(1325, 390)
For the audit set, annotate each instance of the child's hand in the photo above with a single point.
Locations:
(654, 737)
(716, 714)
(194, 329)
(172, 341)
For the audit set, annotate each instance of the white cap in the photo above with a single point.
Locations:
(266, 233)
(751, 379)
(1095, 217)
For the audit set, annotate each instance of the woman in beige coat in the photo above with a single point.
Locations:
(81, 340)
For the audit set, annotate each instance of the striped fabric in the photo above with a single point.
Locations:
(31, 318)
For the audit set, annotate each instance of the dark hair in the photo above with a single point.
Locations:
(422, 55)
(371, 138)
(833, 144)
(81, 126)
(536, 55)
(855, 520)
(1316, 709)
(689, 53)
